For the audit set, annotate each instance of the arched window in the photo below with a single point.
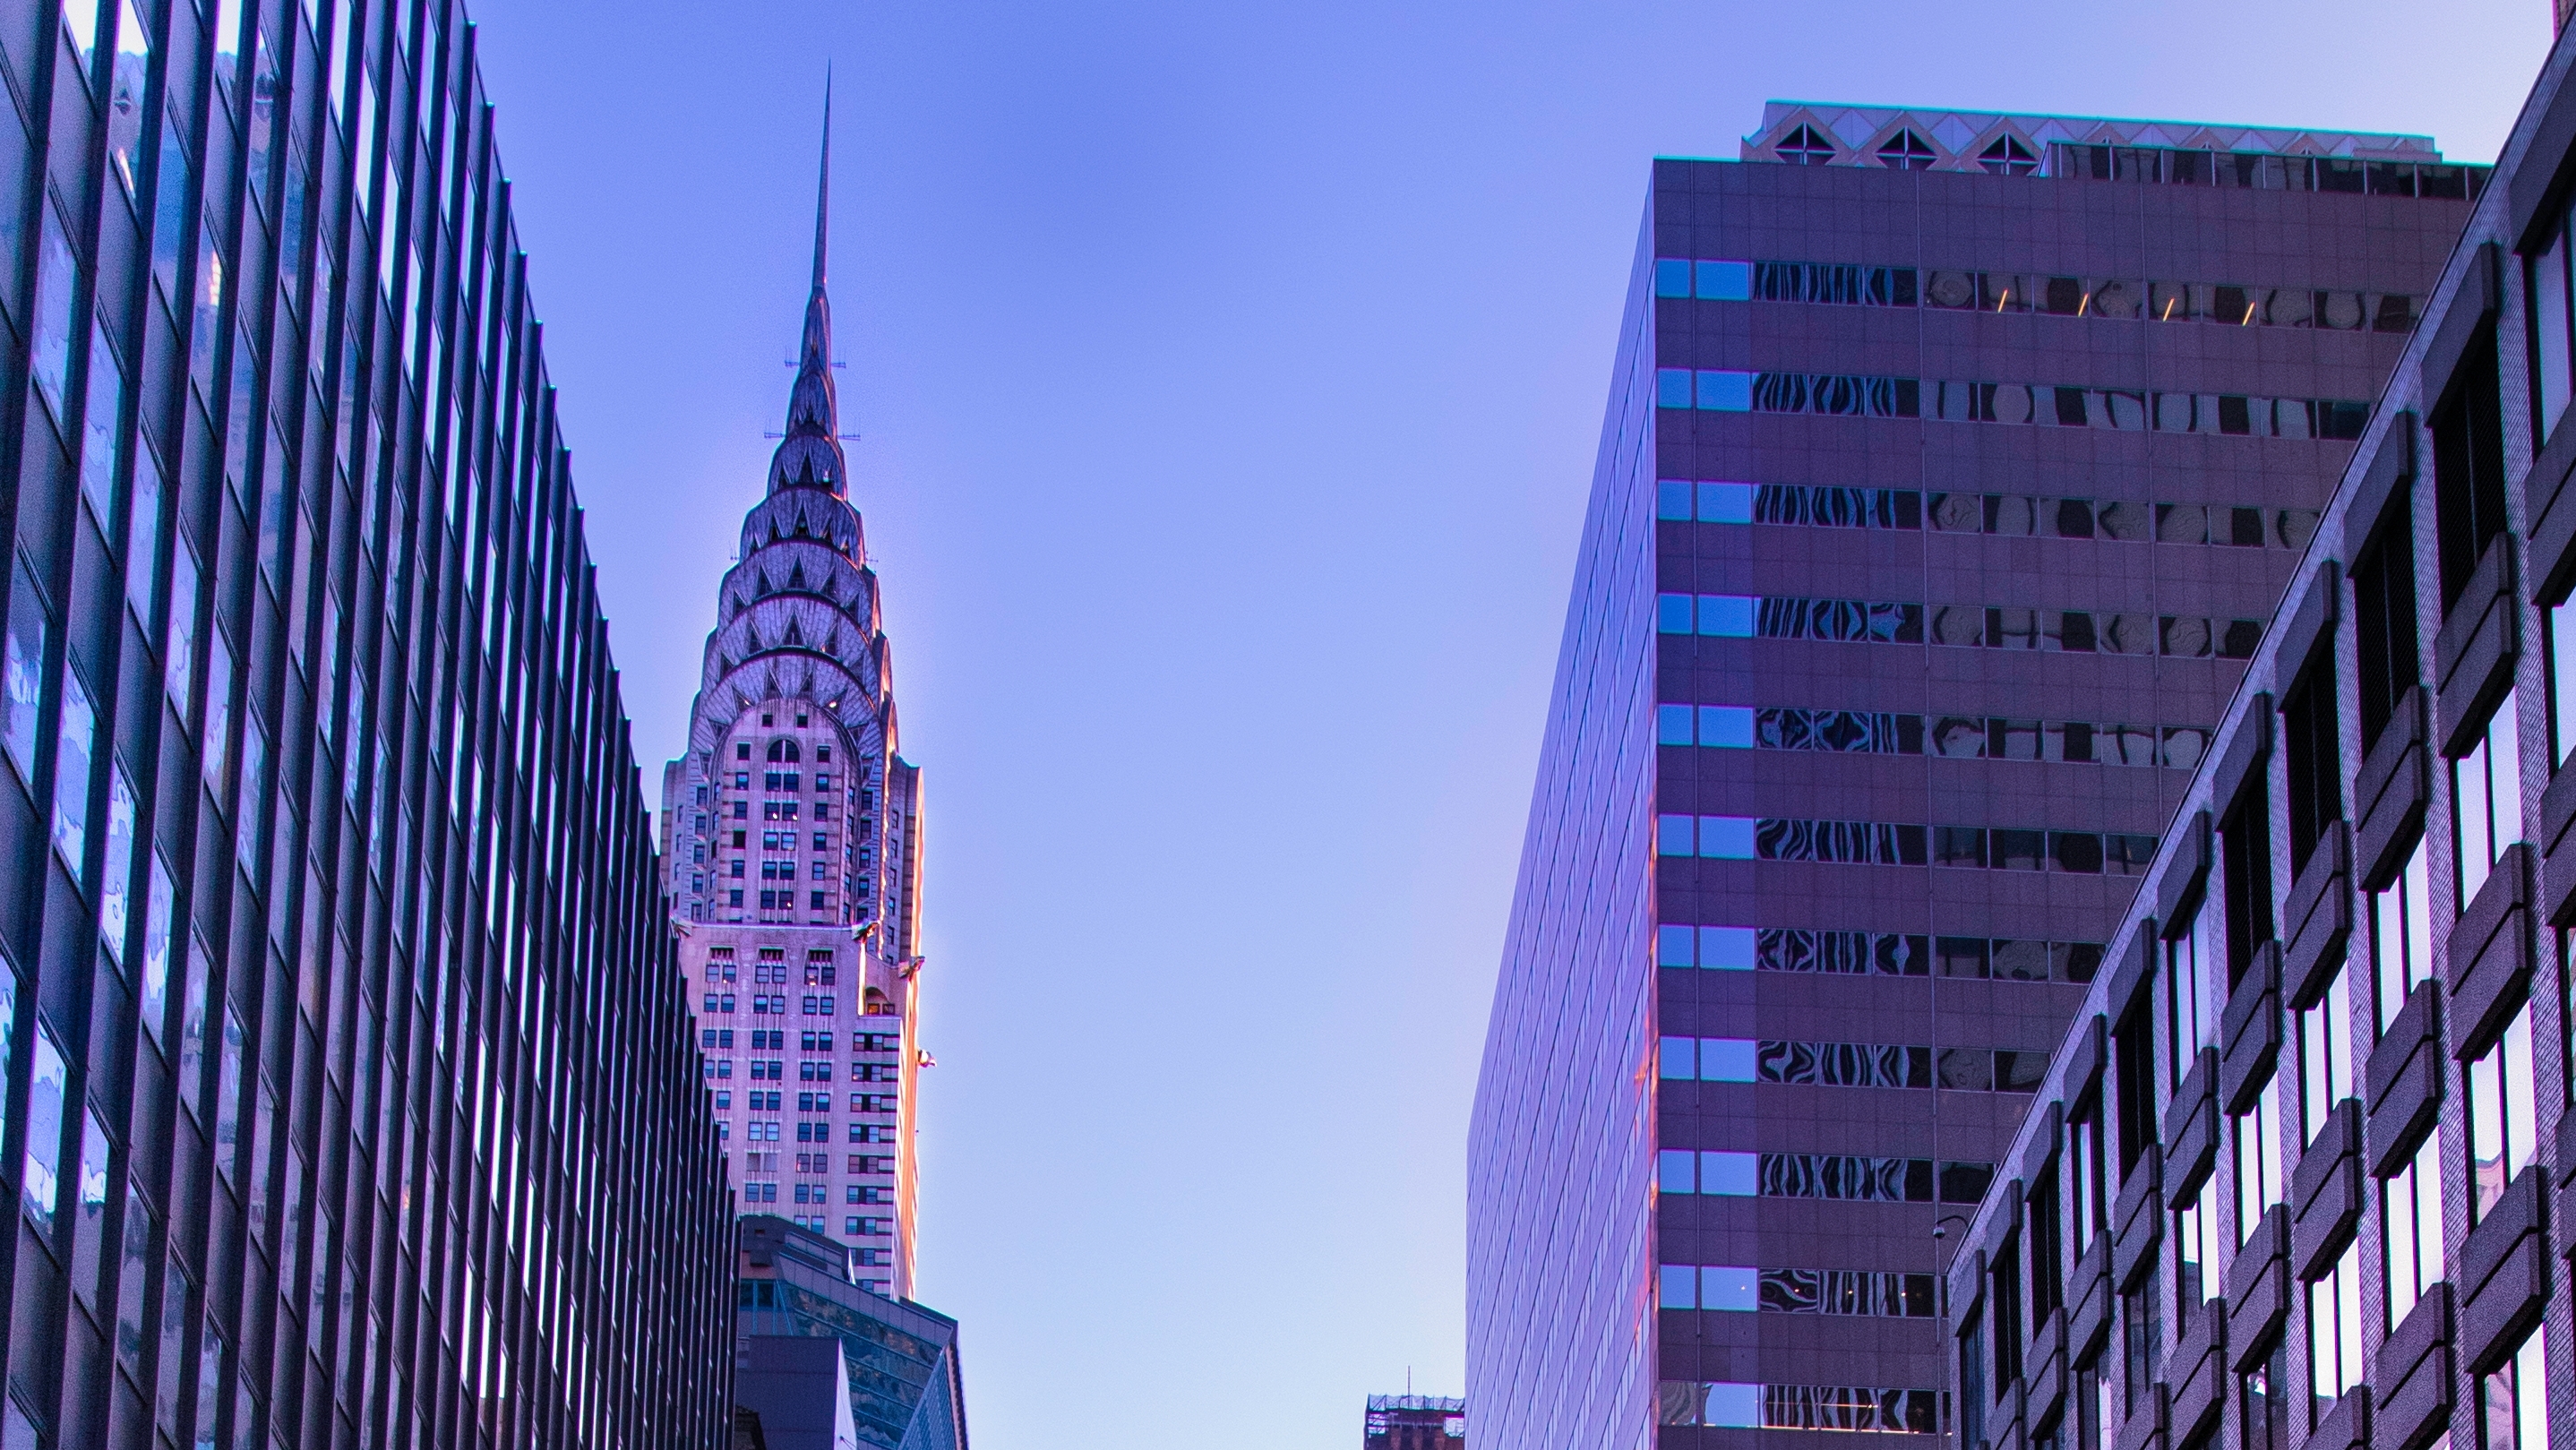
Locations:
(784, 750)
(1805, 146)
(1906, 151)
(2008, 157)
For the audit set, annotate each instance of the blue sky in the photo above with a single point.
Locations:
(1230, 378)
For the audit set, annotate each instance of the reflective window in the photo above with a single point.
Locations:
(2334, 1328)
(2486, 799)
(41, 1183)
(2410, 1205)
(22, 676)
(72, 774)
(2196, 1251)
(2513, 1402)
(2401, 933)
(2502, 1112)
(2550, 322)
(2259, 1159)
(2325, 1054)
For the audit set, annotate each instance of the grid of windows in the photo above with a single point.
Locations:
(2008, 515)
(349, 1046)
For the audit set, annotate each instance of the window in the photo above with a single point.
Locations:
(2089, 1212)
(2191, 1021)
(2401, 933)
(22, 676)
(2325, 1054)
(2004, 1293)
(2513, 1402)
(2334, 1330)
(2047, 1257)
(2245, 874)
(2502, 1111)
(2558, 647)
(2486, 798)
(2196, 1251)
(72, 772)
(1972, 1379)
(2410, 1206)
(2383, 586)
(2258, 1159)
(2264, 1402)
(1906, 151)
(2468, 467)
(2550, 321)
(1805, 146)
(2309, 749)
(2008, 157)
(2133, 1050)
(2142, 1339)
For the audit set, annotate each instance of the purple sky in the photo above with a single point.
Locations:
(1231, 378)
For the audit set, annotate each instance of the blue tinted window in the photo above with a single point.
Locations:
(1723, 1287)
(1673, 613)
(1727, 948)
(1676, 836)
(1729, 616)
(1726, 725)
(1728, 1173)
(1673, 388)
(1680, 1057)
(1672, 277)
(1726, 503)
(1678, 1287)
(1673, 1171)
(1725, 281)
(1677, 946)
(1672, 498)
(1672, 724)
(1725, 1059)
(1725, 392)
(1728, 838)
(1738, 1406)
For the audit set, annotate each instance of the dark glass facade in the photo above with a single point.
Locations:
(1950, 475)
(350, 1096)
(898, 1363)
(2290, 1178)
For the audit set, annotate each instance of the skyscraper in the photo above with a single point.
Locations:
(795, 850)
(348, 1093)
(1953, 461)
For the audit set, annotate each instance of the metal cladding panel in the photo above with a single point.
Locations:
(342, 1007)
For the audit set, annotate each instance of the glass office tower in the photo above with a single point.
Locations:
(350, 1097)
(1953, 462)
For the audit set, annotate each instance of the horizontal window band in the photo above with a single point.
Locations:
(1849, 1064)
(1955, 737)
(1860, 1293)
(2010, 515)
(1873, 953)
(2110, 299)
(1841, 1177)
(1862, 395)
(1802, 1407)
(1964, 626)
(1881, 843)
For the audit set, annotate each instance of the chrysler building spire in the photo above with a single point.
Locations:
(809, 456)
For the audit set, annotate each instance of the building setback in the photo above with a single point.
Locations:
(349, 1096)
(1952, 464)
(814, 1350)
(2297, 1172)
(795, 850)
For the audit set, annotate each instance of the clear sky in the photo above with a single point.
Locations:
(1230, 377)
